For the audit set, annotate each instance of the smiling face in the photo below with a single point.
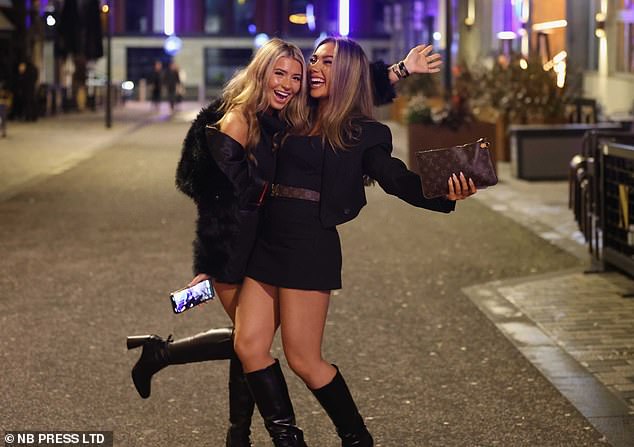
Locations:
(320, 70)
(284, 82)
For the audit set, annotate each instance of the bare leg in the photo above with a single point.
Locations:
(303, 316)
(257, 319)
(241, 403)
(228, 296)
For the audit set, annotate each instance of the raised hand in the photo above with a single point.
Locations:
(420, 59)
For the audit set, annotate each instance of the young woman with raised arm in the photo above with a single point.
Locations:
(296, 262)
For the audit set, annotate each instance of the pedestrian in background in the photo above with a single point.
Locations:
(172, 83)
(155, 79)
(180, 90)
(24, 87)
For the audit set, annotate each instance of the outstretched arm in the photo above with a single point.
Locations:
(420, 59)
(395, 179)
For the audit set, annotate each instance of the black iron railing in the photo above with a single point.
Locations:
(617, 211)
(601, 181)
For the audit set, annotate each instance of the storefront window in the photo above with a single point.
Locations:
(234, 18)
(140, 62)
(215, 22)
(221, 64)
(244, 16)
(138, 16)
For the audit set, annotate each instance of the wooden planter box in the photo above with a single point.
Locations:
(544, 151)
(398, 109)
(430, 136)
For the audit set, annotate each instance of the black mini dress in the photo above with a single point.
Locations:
(293, 249)
(234, 269)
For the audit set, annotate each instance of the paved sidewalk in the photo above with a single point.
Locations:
(576, 327)
(586, 313)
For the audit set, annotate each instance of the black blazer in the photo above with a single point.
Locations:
(342, 190)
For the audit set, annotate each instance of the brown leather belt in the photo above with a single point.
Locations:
(293, 192)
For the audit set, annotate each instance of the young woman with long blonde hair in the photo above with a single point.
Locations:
(261, 99)
(296, 263)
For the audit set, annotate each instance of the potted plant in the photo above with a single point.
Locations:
(516, 90)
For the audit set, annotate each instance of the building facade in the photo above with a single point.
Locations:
(590, 41)
(210, 39)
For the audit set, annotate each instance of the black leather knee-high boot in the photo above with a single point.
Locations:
(336, 399)
(241, 406)
(269, 390)
(215, 344)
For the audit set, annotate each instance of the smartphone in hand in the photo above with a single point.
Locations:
(189, 297)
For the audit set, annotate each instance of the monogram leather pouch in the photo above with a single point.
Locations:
(436, 166)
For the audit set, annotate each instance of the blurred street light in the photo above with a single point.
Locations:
(344, 17)
(260, 40)
(506, 35)
(173, 45)
(544, 26)
(298, 19)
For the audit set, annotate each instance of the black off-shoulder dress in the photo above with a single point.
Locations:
(249, 215)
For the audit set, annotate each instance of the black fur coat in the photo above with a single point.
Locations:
(215, 193)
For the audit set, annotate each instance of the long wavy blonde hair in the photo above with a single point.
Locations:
(349, 95)
(247, 90)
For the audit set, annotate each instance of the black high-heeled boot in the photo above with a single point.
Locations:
(269, 390)
(241, 406)
(215, 344)
(336, 399)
